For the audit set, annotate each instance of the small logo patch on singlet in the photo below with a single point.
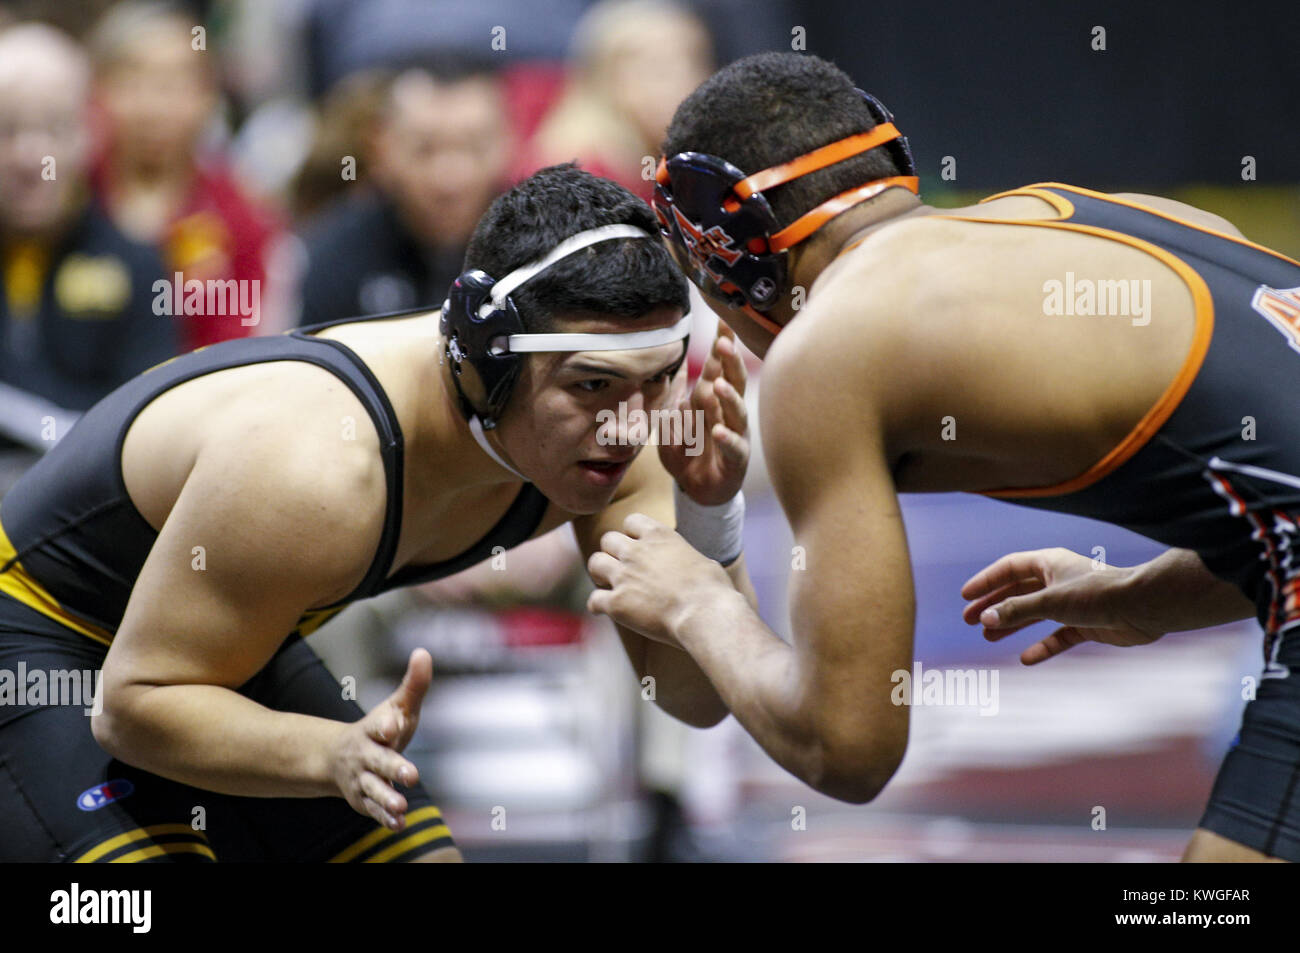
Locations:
(1282, 308)
(101, 795)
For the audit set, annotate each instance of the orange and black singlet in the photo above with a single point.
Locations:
(72, 543)
(1214, 466)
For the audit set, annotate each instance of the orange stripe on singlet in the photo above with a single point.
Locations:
(1038, 190)
(1168, 401)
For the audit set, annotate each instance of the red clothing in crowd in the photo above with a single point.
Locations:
(219, 233)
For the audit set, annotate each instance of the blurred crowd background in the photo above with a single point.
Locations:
(335, 156)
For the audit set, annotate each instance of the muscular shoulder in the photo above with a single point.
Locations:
(821, 386)
(303, 483)
(862, 341)
(917, 266)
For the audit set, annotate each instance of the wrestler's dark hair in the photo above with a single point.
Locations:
(769, 108)
(626, 277)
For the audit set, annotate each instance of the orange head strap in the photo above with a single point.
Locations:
(721, 219)
(837, 151)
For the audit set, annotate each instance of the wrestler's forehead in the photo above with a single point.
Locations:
(640, 361)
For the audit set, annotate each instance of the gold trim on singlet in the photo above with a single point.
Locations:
(1064, 207)
(195, 842)
(1202, 300)
(396, 842)
(313, 619)
(17, 583)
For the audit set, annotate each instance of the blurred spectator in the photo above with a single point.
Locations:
(632, 62)
(70, 16)
(159, 96)
(348, 118)
(343, 36)
(441, 149)
(76, 315)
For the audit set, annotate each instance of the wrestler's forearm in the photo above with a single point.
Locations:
(681, 688)
(1175, 593)
(739, 574)
(216, 739)
(758, 677)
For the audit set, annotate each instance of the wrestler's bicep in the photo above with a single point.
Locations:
(253, 540)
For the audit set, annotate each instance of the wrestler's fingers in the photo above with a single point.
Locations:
(734, 413)
(601, 567)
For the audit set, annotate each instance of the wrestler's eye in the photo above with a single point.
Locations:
(664, 376)
(592, 386)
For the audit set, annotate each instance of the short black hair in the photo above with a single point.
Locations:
(626, 277)
(772, 107)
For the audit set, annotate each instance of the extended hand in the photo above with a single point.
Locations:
(714, 475)
(367, 760)
(1023, 588)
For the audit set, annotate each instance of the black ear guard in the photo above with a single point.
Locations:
(484, 336)
(720, 218)
(899, 149)
(483, 370)
(740, 270)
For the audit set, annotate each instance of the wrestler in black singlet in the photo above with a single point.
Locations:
(71, 546)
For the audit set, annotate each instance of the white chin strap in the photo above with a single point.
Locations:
(476, 428)
(534, 343)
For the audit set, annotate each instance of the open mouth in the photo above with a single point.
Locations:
(604, 472)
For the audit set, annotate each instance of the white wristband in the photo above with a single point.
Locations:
(715, 531)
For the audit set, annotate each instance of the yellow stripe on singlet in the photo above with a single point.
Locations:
(143, 833)
(157, 850)
(313, 619)
(408, 844)
(16, 583)
(377, 836)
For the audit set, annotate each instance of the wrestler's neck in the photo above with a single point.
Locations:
(812, 257)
